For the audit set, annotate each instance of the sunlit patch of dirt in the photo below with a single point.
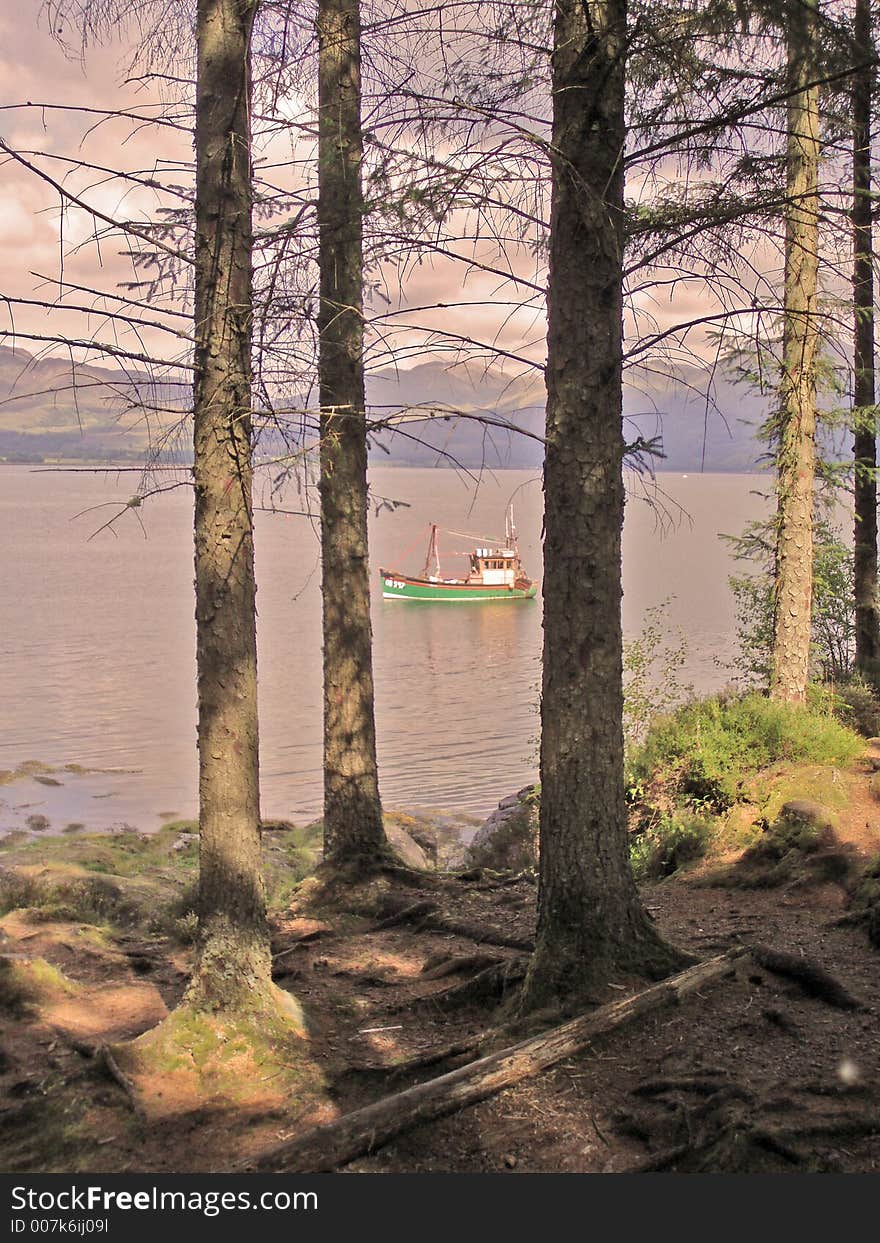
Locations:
(107, 1013)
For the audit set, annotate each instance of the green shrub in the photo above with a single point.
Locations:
(833, 621)
(866, 894)
(707, 748)
(672, 841)
(652, 666)
(857, 705)
(782, 838)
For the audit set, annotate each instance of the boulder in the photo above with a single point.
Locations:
(805, 811)
(442, 834)
(508, 839)
(407, 848)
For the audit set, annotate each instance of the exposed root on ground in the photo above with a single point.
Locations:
(439, 966)
(425, 916)
(367, 1129)
(106, 1058)
(813, 979)
(730, 1129)
(488, 985)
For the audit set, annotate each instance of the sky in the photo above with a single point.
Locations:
(40, 244)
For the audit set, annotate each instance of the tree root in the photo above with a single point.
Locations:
(813, 979)
(308, 938)
(487, 879)
(487, 985)
(424, 1061)
(480, 936)
(441, 965)
(84, 1048)
(727, 1133)
(106, 1059)
(414, 913)
(368, 1129)
(700, 1087)
(425, 917)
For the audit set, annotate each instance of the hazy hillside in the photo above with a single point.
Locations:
(48, 408)
(714, 433)
(100, 414)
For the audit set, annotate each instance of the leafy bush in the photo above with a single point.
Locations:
(672, 841)
(833, 622)
(652, 666)
(704, 751)
(857, 705)
(781, 838)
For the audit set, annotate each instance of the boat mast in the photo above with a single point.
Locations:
(433, 551)
(510, 529)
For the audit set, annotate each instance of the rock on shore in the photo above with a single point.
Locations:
(509, 837)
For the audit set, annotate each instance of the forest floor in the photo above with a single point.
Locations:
(754, 1075)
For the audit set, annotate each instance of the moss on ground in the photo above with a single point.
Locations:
(704, 752)
(26, 983)
(233, 1060)
(134, 880)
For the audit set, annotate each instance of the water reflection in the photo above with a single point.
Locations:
(99, 639)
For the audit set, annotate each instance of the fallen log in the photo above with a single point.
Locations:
(366, 1130)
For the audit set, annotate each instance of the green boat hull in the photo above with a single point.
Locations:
(397, 587)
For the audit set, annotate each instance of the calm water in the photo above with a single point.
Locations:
(97, 639)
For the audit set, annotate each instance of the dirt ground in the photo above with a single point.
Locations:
(754, 1075)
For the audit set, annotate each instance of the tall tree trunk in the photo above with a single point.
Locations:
(865, 424)
(590, 920)
(796, 443)
(233, 962)
(352, 811)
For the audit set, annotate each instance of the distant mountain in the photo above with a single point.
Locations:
(702, 421)
(50, 410)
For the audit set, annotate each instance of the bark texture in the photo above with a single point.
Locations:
(590, 920)
(865, 433)
(352, 810)
(796, 431)
(233, 961)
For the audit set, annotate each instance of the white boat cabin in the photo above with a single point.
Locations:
(494, 567)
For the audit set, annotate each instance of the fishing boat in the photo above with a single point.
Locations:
(495, 573)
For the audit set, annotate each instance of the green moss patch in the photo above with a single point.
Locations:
(239, 1060)
(25, 983)
(801, 846)
(131, 879)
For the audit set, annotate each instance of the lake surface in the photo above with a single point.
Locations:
(98, 640)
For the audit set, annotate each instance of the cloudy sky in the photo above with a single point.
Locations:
(44, 92)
